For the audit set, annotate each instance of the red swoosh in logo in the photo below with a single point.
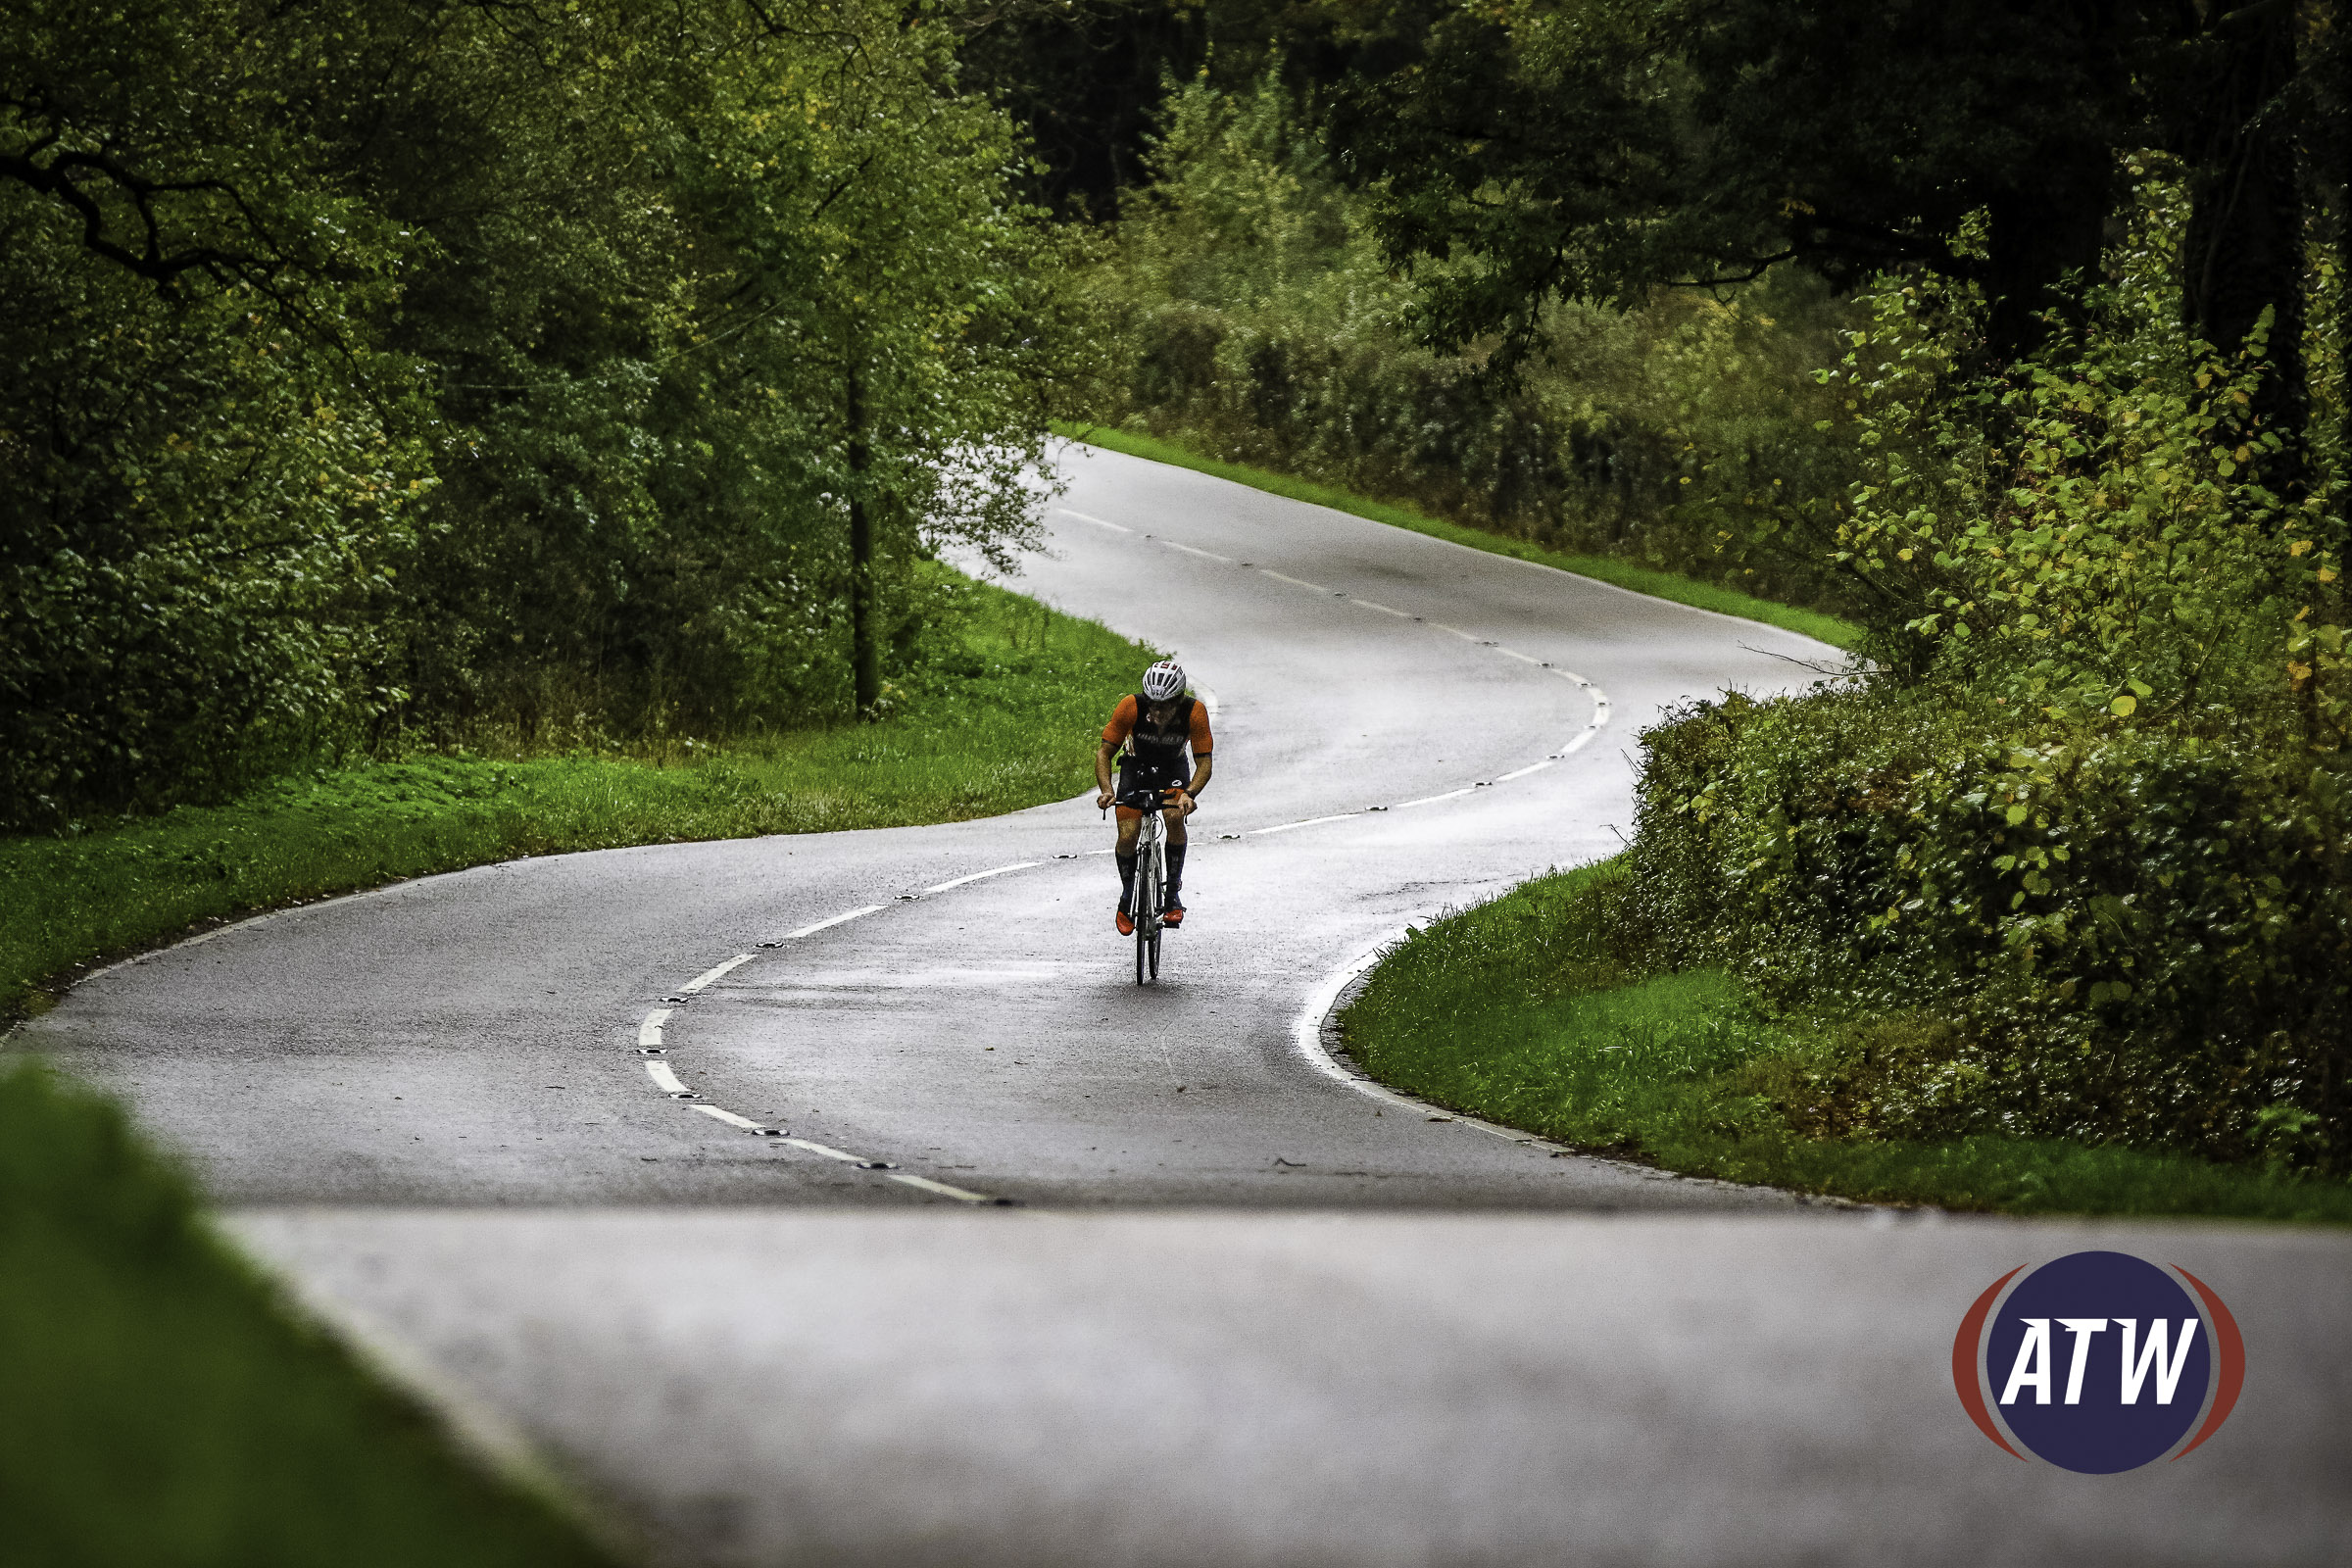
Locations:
(1967, 1343)
(2230, 1353)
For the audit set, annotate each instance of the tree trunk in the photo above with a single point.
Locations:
(2039, 234)
(865, 649)
(2243, 252)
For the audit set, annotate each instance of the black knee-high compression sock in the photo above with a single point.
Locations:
(1175, 870)
(1126, 860)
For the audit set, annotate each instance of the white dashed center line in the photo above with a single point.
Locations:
(716, 973)
(650, 1032)
(1018, 865)
(839, 920)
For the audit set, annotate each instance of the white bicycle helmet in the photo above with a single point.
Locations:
(1164, 680)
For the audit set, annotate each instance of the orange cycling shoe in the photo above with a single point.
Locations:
(1126, 924)
(1173, 915)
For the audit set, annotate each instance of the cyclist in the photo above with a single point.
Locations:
(1156, 726)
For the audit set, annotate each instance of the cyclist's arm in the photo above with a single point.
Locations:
(1201, 772)
(1102, 755)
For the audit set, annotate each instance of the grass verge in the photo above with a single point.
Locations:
(1006, 718)
(1522, 1012)
(1657, 584)
(158, 1406)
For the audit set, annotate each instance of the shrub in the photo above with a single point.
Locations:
(2083, 823)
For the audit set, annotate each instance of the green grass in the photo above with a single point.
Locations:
(160, 1407)
(1657, 584)
(1007, 718)
(1522, 1012)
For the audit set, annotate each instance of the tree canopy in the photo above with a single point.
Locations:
(382, 362)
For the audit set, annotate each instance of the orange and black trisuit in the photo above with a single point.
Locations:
(1155, 760)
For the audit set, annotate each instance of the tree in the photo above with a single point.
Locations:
(1600, 147)
(1597, 149)
(387, 366)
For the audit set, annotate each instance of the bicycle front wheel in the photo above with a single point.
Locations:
(1146, 914)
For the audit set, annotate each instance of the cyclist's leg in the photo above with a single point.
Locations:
(1173, 895)
(1130, 822)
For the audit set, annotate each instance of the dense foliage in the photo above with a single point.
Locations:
(388, 368)
(2087, 820)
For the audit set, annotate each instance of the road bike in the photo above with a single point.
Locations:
(1143, 905)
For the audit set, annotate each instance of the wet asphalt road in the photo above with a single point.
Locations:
(1242, 1312)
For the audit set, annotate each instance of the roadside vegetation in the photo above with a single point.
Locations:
(1260, 322)
(1000, 715)
(1552, 1009)
(1611, 569)
(378, 373)
(436, 434)
(161, 1405)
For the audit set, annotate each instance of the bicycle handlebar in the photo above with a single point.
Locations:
(1153, 799)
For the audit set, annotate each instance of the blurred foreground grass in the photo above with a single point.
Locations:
(160, 1407)
(1006, 720)
(1517, 1011)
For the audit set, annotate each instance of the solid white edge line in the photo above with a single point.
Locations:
(716, 973)
(820, 1148)
(664, 1079)
(1306, 1028)
(1097, 522)
(812, 930)
(927, 1185)
(1018, 865)
(1285, 827)
(1293, 581)
(649, 1032)
(1306, 1034)
(730, 1119)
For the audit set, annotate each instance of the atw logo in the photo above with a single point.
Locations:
(2098, 1362)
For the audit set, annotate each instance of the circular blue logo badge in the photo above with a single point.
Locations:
(2098, 1362)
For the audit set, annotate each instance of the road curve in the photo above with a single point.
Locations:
(689, 1159)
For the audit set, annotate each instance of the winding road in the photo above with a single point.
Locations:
(841, 1198)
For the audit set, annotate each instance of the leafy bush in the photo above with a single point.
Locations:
(2136, 933)
(2083, 824)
